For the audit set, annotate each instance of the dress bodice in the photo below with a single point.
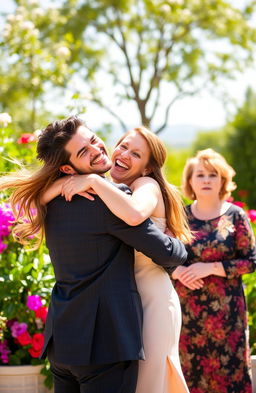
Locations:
(160, 222)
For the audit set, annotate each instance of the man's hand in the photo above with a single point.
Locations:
(78, 184)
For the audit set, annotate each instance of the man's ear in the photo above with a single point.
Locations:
(67, 169)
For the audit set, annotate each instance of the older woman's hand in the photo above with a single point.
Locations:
(196, 271)
(192, 284)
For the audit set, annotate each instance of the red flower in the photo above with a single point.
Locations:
(243, 193)
(24, 338)
(243, 242)
(41, 313)
(26, 138)
(33, 353)
(37, 342)
(211, 254)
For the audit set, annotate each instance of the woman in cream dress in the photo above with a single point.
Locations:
(137, 161)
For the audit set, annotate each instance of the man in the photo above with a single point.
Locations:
(93, 330)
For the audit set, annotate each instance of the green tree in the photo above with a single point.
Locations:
(186, 45)
(241, 146)
(210, 139)
(31, 62)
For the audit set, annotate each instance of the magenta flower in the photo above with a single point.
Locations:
(34, 302)
(18, 328)
(6, 220)
(252, 215)
(4, 352)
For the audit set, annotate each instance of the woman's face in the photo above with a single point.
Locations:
(130, 159)
(204, 182)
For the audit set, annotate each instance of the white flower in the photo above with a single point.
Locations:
(10, 18)
(5, 119)
(18, 18)
(20, 10)
(63, 51)
(32, 2)
(35, 81)
(165, 8)
(37, 132)
(27, 25)
(38, 12)
(7, 27)
(86, 96)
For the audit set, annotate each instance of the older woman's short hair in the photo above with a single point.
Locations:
(212, 161)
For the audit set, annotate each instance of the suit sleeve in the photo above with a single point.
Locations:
(148, 239)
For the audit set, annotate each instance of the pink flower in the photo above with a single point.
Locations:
(239, 203)
(26, 138)
(18, 328)
(252, 215)
(242, 267)
(34, 302)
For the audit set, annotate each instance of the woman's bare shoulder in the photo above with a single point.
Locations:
(144, 180)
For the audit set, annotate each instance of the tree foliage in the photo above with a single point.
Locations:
(142, 47)
(213, 139)
(241, 146)
(185, 45)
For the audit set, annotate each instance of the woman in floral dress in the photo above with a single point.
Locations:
(214, 341)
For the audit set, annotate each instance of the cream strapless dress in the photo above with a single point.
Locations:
(161, 371)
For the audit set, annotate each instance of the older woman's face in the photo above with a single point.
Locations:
(205, 182)
(130, 159)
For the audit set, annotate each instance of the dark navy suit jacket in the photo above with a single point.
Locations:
(95, 314)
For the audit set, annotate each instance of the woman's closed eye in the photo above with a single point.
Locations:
(135, 154)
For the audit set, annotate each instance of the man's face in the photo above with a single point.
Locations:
(87, 153)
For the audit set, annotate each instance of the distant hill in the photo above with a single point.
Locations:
(180, 135)
(177, 136)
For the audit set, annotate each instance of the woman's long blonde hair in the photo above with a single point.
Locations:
(28, 186)
(176, 219)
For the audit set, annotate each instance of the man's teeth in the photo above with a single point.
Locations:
(99, 159)
(119, 163)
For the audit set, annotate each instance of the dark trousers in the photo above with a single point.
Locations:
(118, 377)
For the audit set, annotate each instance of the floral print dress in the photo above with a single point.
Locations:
(214, 346)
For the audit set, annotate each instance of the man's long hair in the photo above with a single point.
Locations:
(28, 186)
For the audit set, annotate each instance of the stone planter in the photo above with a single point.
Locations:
(253, 359)
(22, 379)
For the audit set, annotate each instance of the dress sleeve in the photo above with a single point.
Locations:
(245, 252)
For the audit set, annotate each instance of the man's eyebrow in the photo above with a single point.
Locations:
(81, 150)
(93, 137)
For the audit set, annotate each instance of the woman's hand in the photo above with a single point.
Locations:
(193, 284)
(196, 271)
(78, 184)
